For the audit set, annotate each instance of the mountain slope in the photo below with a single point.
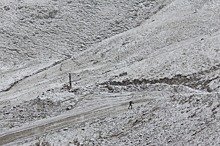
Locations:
(36, 34)
(169, 66)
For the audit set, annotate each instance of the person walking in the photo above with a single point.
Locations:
(130, 104)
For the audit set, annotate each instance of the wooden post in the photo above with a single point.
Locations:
(70, 82)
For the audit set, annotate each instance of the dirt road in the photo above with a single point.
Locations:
(77, 115)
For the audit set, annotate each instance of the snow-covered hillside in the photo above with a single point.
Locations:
(162, 54)
(38, 34)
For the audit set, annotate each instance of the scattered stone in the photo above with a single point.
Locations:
(69, 2)
(6, 8)
(123, 74)
(69, 107)
(7, 113)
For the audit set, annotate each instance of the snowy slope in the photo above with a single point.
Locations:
(169, 65)
(36, 34)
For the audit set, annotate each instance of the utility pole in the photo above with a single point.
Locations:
(70, 81)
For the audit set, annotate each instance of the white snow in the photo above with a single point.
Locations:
(164, 55)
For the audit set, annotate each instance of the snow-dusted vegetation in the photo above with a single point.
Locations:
(163, 55)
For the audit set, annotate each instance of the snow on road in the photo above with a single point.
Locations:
(163, 55)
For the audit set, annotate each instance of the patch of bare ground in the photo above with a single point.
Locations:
(198, 81)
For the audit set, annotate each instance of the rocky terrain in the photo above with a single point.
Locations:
(163, 55)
